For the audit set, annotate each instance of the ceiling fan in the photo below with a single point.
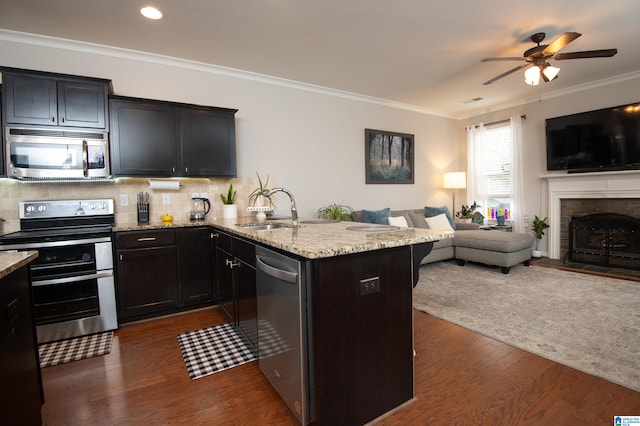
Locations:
(538, 56)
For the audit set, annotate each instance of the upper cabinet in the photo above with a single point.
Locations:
(52, 100)
(163, 139)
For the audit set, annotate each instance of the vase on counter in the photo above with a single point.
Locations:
(229, 211)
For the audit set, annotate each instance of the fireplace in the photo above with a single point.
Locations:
(608, 239)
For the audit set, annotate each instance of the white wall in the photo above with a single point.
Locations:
(621, 92)
(309, 141)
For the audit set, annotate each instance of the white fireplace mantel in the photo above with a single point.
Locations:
(619, 184)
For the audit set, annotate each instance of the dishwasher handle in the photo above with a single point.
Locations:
(290, 277)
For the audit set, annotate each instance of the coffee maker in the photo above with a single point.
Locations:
(199, 208)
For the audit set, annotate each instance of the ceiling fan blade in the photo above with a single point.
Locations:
(604, 53)
(560, 42)
(507, 58)
(511, 71)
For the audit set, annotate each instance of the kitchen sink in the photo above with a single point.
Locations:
(264, 226)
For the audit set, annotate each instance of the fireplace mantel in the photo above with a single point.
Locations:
(619, 184)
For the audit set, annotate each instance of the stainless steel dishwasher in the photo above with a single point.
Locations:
(284, 353)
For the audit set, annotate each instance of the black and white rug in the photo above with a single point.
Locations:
(75, 349)
(213, 349)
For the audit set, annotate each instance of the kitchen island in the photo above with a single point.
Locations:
(20, 369)
(357, 308)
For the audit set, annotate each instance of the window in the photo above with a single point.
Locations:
(495, 169)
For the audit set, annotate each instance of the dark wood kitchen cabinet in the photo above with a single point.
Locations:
(196, 273)
(45, 99)
(164, 139)
(146, 273)
(235, 259)
(162, 271)
(22, 395)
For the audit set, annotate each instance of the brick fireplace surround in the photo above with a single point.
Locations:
(578, 194)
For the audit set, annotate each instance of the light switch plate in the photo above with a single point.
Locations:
(166, 199)
(124, 200)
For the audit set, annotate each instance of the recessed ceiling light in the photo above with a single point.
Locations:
(151, 12)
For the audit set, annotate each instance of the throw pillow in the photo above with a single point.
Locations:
(376, 216)
(418, 220)
(440, 222)
(435, 211)
(398, 221)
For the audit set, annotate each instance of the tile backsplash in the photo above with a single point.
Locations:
(12, 192)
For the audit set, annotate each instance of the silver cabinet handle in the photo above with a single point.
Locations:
(232, 263)
(147, 239)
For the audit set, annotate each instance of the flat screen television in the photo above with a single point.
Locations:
(605, 139)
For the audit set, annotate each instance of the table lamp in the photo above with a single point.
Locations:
(454, 180)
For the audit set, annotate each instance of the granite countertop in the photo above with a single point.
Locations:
(311, 240)
(11, 261)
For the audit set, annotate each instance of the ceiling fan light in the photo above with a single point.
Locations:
(532, 76)
(551, 72)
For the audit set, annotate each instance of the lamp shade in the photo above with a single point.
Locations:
(532, 76)
(454, 180)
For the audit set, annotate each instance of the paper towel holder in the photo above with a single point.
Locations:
(164, 184)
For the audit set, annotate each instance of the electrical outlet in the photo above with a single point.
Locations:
(124, 200)
(166, 199)
(369, 286)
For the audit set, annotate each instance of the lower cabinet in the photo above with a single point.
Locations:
(22, 394)
(161, 271)
(236, 277)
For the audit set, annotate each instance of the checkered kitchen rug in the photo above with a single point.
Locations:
(68, 350)
(213, 349)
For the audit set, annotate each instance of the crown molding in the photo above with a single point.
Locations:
(136, 55)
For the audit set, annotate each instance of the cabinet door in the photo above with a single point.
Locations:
(147, 281)
(30, 100)
(195, 266)
(143, 138)
(82, 104)
(247, 303)
(226, 288)
(207, 141)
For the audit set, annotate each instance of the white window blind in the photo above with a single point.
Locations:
(497, 157)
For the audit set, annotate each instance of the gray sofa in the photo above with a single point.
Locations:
(470, 243)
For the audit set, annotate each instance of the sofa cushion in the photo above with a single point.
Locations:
(400, 221)
(435, 211)
(439, 222)
(505, 242)
(376, 216)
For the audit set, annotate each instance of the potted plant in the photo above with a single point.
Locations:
(335, 212)
(229, 207)
(257, 197)
(538, 226)
(465, 213)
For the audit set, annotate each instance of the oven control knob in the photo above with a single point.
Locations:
(30, 209)
(92, 206)
(42, 208)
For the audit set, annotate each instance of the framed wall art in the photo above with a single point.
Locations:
(388, 157)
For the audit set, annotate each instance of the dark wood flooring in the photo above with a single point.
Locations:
(461, 378)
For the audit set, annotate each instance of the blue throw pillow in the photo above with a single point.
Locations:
(376, 216)
(435, 211)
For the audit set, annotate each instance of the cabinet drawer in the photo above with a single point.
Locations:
(245, 251)
(224, 241)
(142, 239)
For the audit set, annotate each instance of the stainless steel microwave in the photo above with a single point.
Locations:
(40, 153)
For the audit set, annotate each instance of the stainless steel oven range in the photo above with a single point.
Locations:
(73, 284)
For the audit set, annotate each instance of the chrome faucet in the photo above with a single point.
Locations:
(294, 209)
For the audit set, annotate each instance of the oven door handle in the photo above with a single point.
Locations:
(72, 279)
(85, 158)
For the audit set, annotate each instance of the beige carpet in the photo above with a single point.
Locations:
(583, 321)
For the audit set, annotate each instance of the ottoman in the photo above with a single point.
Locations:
(503, 249)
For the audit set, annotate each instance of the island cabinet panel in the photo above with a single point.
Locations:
(162, 271)
(19, 367)
(236, 279)
(164, 139)
(362, 334)
(44, 100)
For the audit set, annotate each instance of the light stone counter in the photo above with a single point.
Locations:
(11, 261)
(311, 241)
